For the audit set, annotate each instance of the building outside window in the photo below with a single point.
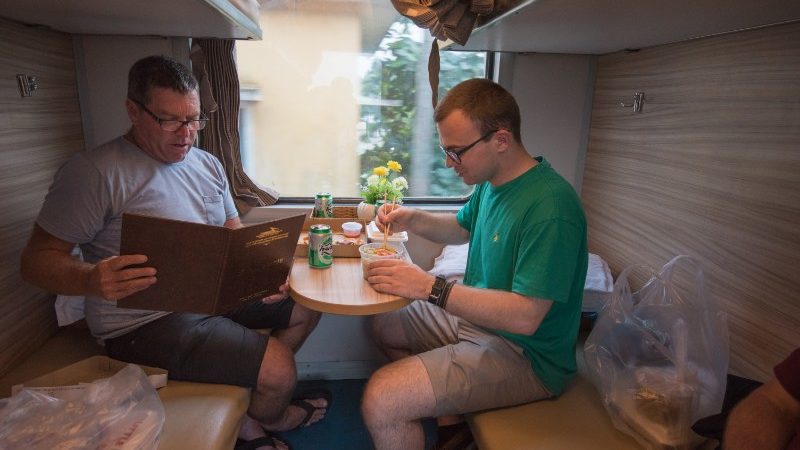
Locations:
(342, 87)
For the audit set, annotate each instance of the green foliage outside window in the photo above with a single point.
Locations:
(388, 128)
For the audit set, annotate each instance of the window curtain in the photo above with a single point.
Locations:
(214, 65)
(447, 19)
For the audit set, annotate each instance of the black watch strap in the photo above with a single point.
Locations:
(436, 291)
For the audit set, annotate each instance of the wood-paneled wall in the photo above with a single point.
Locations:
(709, 168)
(37, 134)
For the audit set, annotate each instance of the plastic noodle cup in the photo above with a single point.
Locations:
(368, 255)
(351, 229)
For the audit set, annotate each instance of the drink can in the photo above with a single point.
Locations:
(320, 246)
(323, 205)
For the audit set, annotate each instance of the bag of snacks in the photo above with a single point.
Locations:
(659, 355)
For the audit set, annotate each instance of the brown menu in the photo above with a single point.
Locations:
(208, 269)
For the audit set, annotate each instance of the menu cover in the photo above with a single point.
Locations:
(208, 269)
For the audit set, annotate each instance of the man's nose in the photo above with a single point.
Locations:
(184, 130)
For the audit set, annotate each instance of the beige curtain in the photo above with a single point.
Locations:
(214, 65)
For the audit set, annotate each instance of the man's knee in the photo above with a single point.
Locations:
(278, 372)
(377, 400)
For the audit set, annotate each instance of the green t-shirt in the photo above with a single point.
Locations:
(529, 236)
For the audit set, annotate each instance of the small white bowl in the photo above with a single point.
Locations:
(351, 229)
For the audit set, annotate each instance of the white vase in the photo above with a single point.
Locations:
(366, 211)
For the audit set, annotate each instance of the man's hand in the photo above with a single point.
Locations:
(112, 279)
(283, 294)
(398, 277)
(398, 216)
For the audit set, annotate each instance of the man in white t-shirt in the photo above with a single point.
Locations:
(155, 170)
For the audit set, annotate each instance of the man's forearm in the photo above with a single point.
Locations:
(501, 310)
(438, 227)
(55, 272)
(756, 423)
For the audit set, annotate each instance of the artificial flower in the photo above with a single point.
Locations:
(379, 186)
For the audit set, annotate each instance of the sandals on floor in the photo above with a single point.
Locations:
(302, 401)
(262, 441)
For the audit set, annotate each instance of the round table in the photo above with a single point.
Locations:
(339, 289)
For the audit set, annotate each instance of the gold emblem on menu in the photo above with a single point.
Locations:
(267, 237)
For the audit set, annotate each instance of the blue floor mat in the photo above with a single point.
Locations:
(342, 428)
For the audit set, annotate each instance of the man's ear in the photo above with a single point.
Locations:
(504, 139)
(133, 111)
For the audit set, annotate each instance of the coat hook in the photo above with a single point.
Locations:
(638, 102)
(27, 84)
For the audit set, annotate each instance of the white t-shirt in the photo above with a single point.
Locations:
(93, 189)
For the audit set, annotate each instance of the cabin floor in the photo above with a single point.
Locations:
(343, 427)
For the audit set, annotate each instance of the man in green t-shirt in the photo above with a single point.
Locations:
(507, 334)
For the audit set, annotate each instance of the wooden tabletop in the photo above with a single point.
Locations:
(339, 289)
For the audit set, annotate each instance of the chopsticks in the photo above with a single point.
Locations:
(385, 231)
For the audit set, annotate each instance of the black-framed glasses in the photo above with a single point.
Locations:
(175, 125)
(455, 153)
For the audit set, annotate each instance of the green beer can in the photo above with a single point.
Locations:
(320, 246)
(323, 205)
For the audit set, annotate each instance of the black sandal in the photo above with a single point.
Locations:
(262, 441)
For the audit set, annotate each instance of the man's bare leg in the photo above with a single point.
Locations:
(390, 337)
(396, 397)
(270, 406)
(301, 324)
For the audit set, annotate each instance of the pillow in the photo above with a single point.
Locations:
(452, 262)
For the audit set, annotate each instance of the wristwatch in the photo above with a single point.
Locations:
(437, 290)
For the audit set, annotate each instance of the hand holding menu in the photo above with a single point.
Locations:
(208, 269)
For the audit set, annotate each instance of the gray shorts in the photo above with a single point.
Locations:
(470, 368)
(225, 349)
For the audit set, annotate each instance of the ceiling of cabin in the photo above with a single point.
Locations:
(606, 26)
(185, 18)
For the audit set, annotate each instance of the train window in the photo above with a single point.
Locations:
(333, 91)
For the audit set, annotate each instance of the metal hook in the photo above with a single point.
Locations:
(27, 84)
(638, 102)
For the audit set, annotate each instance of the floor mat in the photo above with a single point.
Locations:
(342, 428)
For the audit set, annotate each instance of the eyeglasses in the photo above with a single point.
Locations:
(175, 125)
(455, 153)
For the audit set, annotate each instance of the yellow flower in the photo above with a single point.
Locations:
(381, 171)
(395, 166)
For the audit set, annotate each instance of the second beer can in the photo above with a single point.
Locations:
(320, 246)
(323, 205)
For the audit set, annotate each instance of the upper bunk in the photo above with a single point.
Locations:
(606, 26)
(232, 19)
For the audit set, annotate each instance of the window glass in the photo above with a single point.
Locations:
(333, 91)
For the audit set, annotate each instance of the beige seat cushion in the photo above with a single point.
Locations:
(575, 420)
(199, 416)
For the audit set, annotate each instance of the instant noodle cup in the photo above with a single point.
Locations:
(376, 251)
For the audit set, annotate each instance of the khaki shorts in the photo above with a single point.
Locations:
(470, 368)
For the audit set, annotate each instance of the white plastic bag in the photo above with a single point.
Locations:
(659, 357)
(122, 412)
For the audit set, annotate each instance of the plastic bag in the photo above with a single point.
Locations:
(120, 412)
(659, 357)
